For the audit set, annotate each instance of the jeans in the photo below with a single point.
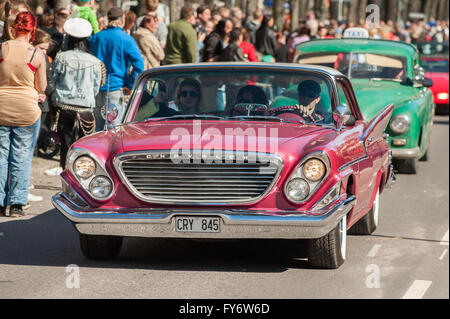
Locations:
(116, 98)
(16, 153)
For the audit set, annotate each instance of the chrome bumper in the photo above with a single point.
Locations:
(237, 224)
(399, 153)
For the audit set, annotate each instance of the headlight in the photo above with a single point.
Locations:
(297, 189)
(400, 124)
(314, 169)
(100, 186)
(84, 167)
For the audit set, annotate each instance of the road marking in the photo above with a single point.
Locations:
(417, 289)
(444, 240)
(443, 254)
(374, 250)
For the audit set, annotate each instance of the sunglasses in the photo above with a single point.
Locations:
(311, 95)
(192, 94)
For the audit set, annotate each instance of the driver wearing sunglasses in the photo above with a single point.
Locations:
(188, 96)
(308, 98)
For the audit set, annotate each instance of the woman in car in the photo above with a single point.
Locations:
(188, 96)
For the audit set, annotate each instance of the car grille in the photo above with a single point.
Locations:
(239, 178)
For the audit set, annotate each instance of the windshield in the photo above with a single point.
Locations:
(360, 65)
(238, 94)
(435, 65)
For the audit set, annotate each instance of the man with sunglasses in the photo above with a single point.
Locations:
(308, 98)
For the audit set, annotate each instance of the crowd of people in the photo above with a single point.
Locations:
(60, 66)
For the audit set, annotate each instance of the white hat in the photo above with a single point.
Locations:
(78, 28)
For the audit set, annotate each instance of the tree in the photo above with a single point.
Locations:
(278, 14)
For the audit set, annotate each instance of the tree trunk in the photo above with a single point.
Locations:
(278, 14)
(295, 10)
(251, 7)
(353, 11)
(175, 9)
(62, 4)
(362, 5)
(391, 10)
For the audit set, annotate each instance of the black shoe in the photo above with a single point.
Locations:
(16, 211)
(2, 211)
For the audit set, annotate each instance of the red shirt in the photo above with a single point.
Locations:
(249, 51)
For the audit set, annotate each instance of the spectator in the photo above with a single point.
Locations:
(224, 12)
(299, 36)
(237, 17)
(46, 21)
(265, 43)
(150, 48)
(182, 39)
(84, 11)
(233, 51)
(153, 6)
(20, 92)
(12, 8)
(76, 66)
(130, 21)
(282, 51)
(216, 17)
(203, 17)
(216, 41)
(57, 31)
(254, 25)
(247, 48)
(102, 21)
(117, 50)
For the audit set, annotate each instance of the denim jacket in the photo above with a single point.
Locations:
(77, 76)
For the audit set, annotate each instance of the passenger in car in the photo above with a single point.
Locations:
(249, 94)
(188, 96)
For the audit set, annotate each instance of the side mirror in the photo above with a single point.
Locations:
(418, 73)
(341, 116)
(427, 82)
(109, 113)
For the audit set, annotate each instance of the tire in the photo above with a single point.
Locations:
(329, 251)
(406, 166)
(425, 156)
(369, 223)
(48, 148)
(96, 247)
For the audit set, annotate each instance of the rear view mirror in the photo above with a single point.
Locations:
(342, 116)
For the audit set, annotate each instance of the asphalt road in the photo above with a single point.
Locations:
(407, 257)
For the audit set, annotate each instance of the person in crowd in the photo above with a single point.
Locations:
(216, 41)
(57, 31)
(130, 21)
(282, 51)
(102, 21)
(249, 94)
(188, 96)
(22, 86)
(12, 8)
(76, 66)
(216, 17)
(233, 52)
(84, 11)
(203, 17)
(308, 98)
(237, 16)
(118, 51)
(255, 23)
(150, 48)
(225, 12)
(182, 39)
(153, 6)
(265, 42)
(247, 48)
(297, 37)
(46, 21)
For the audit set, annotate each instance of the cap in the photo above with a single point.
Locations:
(78, 28)
(309, 85)
(114, 13)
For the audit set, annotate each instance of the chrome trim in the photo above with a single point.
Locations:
(403, 153)
(271, 158)
(353, 162)
(392, 178)
(235, 223)
(100, 169)
(321, 155)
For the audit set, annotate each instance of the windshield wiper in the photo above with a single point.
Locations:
(187, 117)
(265, 117)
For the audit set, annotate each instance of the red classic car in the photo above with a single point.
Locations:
(231, 151)
(435, 61)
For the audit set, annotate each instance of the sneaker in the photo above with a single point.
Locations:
(55, 171)
(16, 211)
(2, 211)
(34, 198)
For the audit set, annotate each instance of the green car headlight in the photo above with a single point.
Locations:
(400, 124)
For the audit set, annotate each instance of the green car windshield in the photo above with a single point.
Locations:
(237, 94)
(360, 64)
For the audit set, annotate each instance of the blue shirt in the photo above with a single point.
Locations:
(118, 51)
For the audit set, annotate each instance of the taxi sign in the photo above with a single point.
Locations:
(356, 33)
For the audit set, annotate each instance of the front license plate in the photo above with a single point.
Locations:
(196, 224)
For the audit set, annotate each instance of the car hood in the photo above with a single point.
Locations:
(252, 136)
(372, 96)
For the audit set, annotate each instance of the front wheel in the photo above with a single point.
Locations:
(97, 247)
(329, 251)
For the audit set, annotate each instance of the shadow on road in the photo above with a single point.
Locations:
(48, 239)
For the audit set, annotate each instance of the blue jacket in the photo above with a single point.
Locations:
(118, 51)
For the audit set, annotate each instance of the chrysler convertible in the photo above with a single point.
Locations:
(231, 151)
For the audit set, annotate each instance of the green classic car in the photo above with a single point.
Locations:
(383, 72)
